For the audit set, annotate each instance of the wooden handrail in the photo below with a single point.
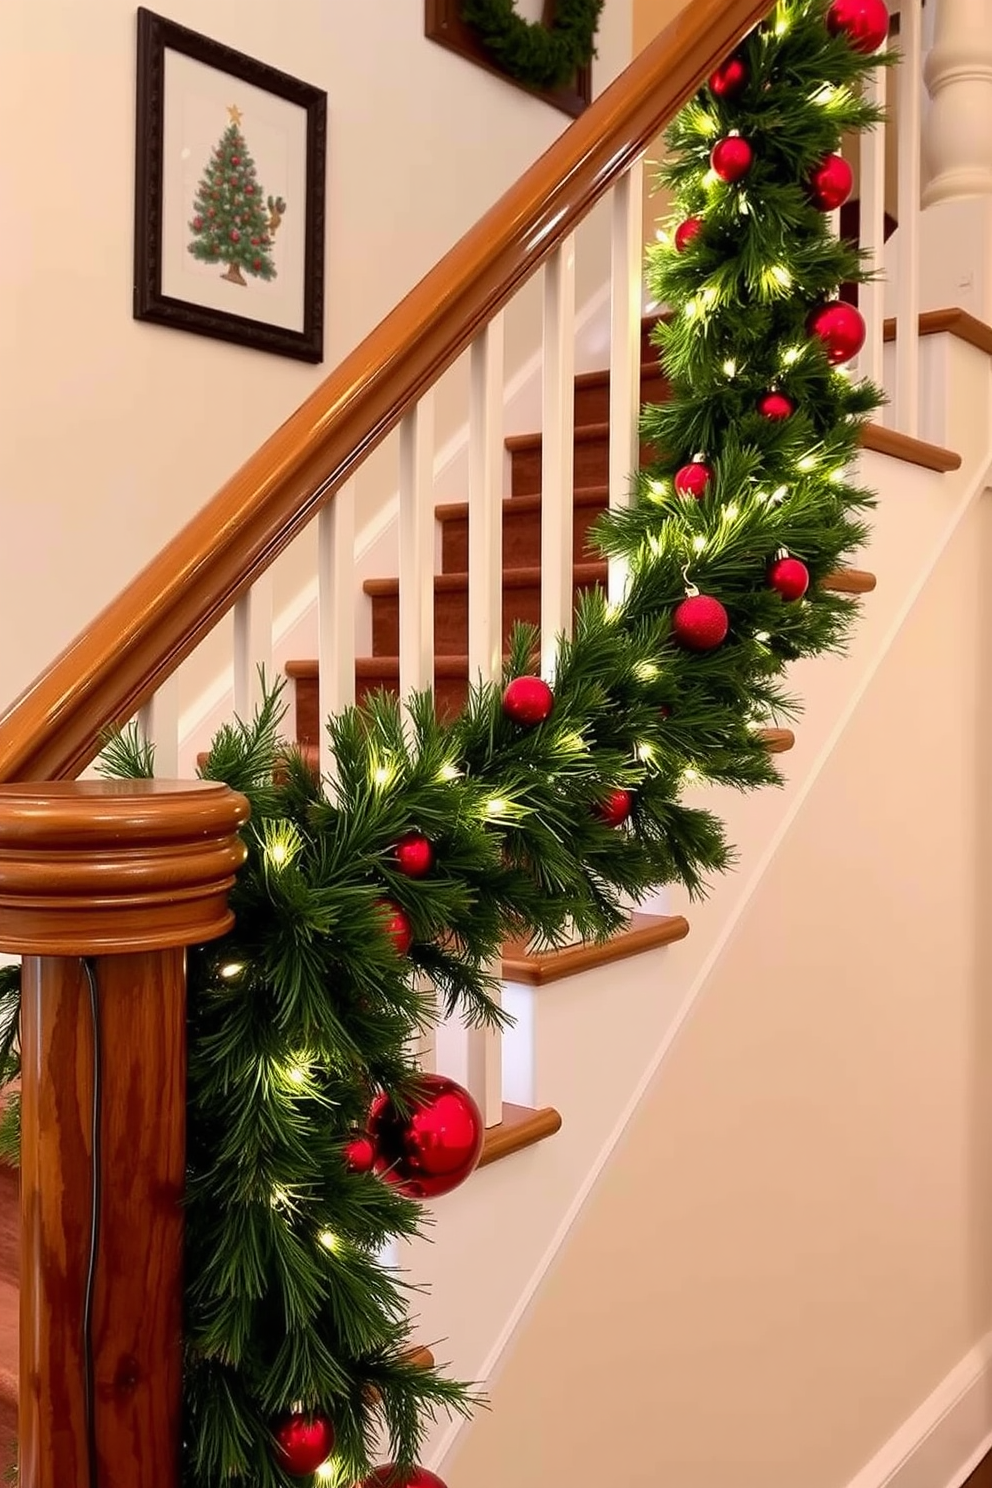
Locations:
(132, 647)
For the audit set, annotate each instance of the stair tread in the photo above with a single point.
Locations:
(453, 511)
(584, 433)
(649, 368)
(842, 580)
(521, 1127)
(645, 933)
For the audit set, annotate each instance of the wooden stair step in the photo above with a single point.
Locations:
(9, 1270)
(592, 390)
(645, 933)
(521, 1127)
(521, 602)
(521, 528)
(591, 458)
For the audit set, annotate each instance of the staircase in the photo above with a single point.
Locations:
(593, 1022)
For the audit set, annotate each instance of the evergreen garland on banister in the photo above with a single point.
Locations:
(542, 805)
(541, 56)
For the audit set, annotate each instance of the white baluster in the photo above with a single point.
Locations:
(335, 613)
(158, 723)
(907, 396)
(416, 537)
(871, 297)
(252, 645)
(958, 75)
(557, 451)
(485, 504)
(625, 347)
(474, 1056)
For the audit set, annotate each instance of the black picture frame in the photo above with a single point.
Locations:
(156, 36)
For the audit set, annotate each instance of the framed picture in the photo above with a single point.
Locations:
(229, 194)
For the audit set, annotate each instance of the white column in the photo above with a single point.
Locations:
(958, 75)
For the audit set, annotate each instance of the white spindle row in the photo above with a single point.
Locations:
(473, 1056)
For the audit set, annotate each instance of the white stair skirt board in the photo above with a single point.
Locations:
(945, 1438)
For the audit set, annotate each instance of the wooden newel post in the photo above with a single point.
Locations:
(102, 884)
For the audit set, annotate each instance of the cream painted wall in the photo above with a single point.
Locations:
(114, 433)
(792, 1245)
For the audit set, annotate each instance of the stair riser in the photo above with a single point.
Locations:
(449, 699)
(592, 466)
(451, 619)
(521, 538)
(592, 403)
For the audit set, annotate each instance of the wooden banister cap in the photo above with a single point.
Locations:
(102, 867)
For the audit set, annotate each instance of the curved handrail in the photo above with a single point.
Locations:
(133, 646)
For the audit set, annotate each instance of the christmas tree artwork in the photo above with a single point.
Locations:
(232, 221)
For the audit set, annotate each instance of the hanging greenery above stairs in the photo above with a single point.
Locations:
(538, 55)
(544, 805)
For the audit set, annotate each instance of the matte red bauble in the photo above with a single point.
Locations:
(841, 328)
(396, 924)
(304, 1443)
(617, 807)
(528, 700)
(700, 623)
(359, 1155)
(775, 406)
(865, 23)
(731, 158)
(435, 1145)
(391, 1476)
(789, 577)
(414, 855)
(693, 480)
(729, 78)
(831, 183)
(686, 232)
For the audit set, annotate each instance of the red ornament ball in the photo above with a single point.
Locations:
(840, 327)
(789, 577)
(686, 232)
(197, 223)
(235, 159)
(693, 480)
(235, 235)
(865, 23)
(730, 77)
(731, 158)
(256, 264)
(528, 700)
(700, 623)
(776, 406)
(414, 855)
(831, 183)
(359, 1155)
(304, 1443)
(435, 1145)
(255, 242)
(396, 924)
(391, 1476)
(617, 807)
(249, 191)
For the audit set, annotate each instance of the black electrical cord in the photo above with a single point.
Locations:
(89, 1368)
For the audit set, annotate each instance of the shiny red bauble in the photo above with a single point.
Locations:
(528, 700)
(434, 1144)
(730, 77)
(414, 855)
(831, 183)
(396, 924)
(840, 327)
(693, 480)
(303, 1443)
(686, 232)
(617, 807)
(700, 623)
(391, 1476)
(865, 23)
(731, 158)
(359, 1155)
(775, 406)
(789, 576)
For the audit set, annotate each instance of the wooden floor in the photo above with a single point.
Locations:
(982, 1476)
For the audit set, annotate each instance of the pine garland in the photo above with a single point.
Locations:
(306, 1009)
(540, 56)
